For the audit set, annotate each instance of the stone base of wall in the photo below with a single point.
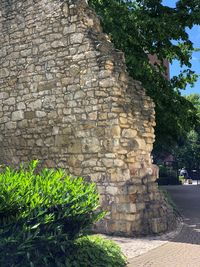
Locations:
(135, 215)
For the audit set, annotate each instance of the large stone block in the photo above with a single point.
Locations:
(18, 115)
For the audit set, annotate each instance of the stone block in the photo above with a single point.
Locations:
(75, 147)
(57, 44)
(11, 125)
(10, 101)
(92, 116)
(4, 95)
(123, 121)
(115, 131)
(79, 94)
(21, 106)
(89, 163)
(61, 140)
(40, 142)
(76, 38)
(127, 208)
(91, 145)
(4, 72)
(74, 70)
(158, 225)
(129, 133)
(142, 144)
(118, 163)
(112, 190)
(35, 105)
(106, 83)
(29, 115)
(108, 162)
(18, 115)
(40, 114)
(50, 141)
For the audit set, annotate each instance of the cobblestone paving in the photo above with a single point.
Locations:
(184, 249)
(133, 247)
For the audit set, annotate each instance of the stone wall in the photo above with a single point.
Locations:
(66, 98)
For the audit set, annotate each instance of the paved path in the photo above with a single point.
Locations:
(184, 249)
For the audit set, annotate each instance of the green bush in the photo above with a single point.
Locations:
(167, 176)
(96, 251)
(47, 201)
(43, 217)
(88, 251)
(163, 171)
(168, 180)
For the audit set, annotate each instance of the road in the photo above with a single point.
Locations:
(184, 249)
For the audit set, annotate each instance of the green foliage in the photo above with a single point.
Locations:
(57, 251)
(195, 100)
(47, 200)
(96, 251)
(143, 27)
(163, 171)
(187, 152)
(168, 176)
(169, 180)
(42, 213)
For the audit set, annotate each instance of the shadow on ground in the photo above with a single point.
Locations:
(187, 200)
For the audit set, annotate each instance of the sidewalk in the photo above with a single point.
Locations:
(180, 248)
(184, 249)
(133, 247)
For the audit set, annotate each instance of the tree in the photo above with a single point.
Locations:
(188, 152)
(195, 100)
(142, 27)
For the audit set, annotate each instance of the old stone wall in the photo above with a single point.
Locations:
(66, 98)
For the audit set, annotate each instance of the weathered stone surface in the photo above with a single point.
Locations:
(76, 38)
(17, 115)
(129, 133)
(66, 98)
(11, 125)
(4, 73)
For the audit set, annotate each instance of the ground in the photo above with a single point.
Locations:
(183, 249)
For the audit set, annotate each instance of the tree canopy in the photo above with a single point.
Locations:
(188, 153)
(195, 100)
(143, 27)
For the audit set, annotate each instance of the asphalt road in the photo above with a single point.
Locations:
(187, 200)
(184, 249)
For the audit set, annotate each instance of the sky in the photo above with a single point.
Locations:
(194, 35)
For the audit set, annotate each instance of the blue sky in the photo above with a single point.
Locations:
(194, 34)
